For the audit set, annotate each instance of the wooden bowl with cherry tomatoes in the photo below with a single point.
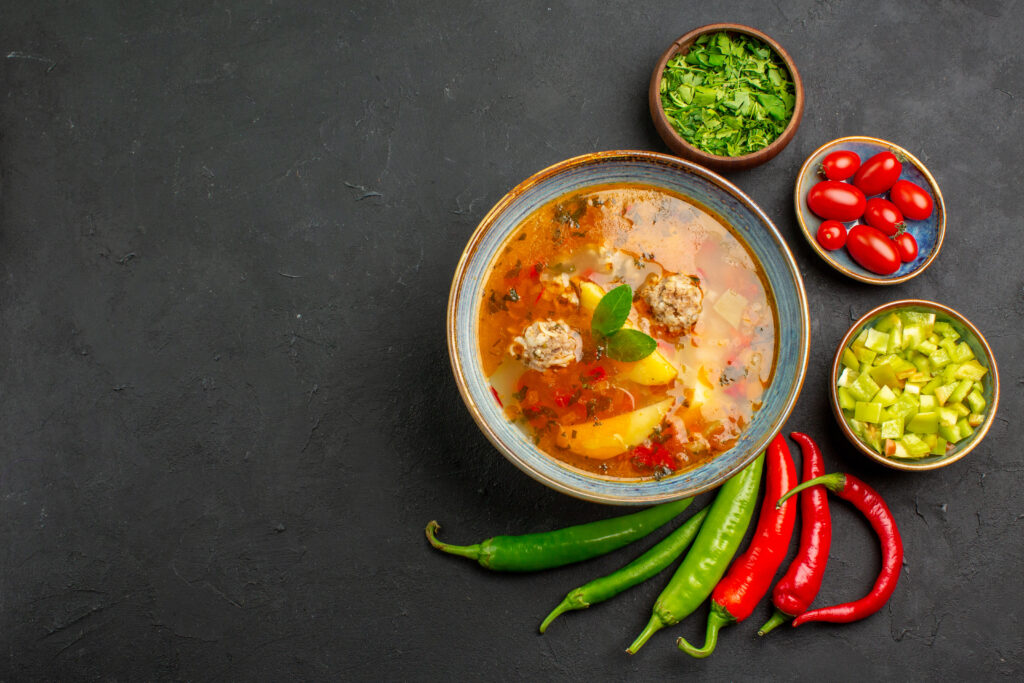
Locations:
(870, 209)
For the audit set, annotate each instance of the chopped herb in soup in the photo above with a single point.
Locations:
(696, 290)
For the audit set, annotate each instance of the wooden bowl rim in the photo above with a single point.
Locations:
(912, 465)
(681, 146)
(809, 235)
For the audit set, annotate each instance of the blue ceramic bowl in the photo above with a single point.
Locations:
(689, 180)
(928, 233)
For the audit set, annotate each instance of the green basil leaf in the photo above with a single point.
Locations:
(629, 346)
(611, 311)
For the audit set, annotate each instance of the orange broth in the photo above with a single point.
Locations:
(624, 233)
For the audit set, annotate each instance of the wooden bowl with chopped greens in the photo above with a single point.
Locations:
(726, 96)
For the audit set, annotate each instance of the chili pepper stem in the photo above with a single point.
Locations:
(777, 619)
(834, 482)
(571, 602)
(470, 551)
(653, 626)
(716, 620)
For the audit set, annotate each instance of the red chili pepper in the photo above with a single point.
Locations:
(871, 505)
(796, 590)
(654, 457)
(562, 399)
(750, 576)
(537, 269)
(497, 398)
(597, 374)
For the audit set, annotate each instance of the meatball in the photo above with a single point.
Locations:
(547, 343)
(675, 301)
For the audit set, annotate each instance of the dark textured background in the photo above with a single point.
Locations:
(226, 413)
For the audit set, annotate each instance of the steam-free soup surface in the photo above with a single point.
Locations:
(702, 385)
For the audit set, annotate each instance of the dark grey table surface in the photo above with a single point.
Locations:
(226, 412)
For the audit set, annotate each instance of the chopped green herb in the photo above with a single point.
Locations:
(571, 210)
(512, 295)
(729, 95)
(493, 305)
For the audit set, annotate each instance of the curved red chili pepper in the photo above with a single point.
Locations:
(798, 587)
(750, 576)
(871, 505)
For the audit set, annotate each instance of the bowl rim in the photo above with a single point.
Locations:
(487, 222)
(812, 240)
(715, 161)
(908, 465)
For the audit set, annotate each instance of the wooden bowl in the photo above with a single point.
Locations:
(968, 333)
(928, 233)
(715, 162)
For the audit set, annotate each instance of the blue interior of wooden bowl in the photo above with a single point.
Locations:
(926, 232)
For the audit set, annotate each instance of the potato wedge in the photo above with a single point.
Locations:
(650, 371)
(614, 435)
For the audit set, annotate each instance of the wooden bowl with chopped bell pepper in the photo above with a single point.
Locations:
(706, 113)
(914, 385)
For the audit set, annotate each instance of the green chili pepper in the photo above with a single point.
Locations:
(531, 552)
(639, 570)
(705, 564)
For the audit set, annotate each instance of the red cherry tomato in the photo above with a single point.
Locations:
(906, 245)
(831, 235)
(836, 200)
(913, 201)
(878, 173)
(872, 249)
(884, 215)
(840, 165)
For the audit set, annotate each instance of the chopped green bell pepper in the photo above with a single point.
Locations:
(866, 411)
(961, 391)
(877, 341)
(972, 370)
(924, 423)
(864, 388)
(845, 398)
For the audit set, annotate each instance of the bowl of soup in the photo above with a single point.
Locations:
(698, 273)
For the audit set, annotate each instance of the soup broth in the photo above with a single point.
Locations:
(698, 292)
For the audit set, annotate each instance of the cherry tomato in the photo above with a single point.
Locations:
(836, 200)
(831, 235)
(878, 173)
(884, 215)
(913, 201)
(872, 249)
(839, 165)
(906, 245)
